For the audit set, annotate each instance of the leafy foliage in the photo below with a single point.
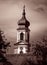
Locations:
(40, 51)
(3, 46)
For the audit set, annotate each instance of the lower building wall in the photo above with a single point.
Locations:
(21, 49)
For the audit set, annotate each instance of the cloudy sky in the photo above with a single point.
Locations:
(11, 12)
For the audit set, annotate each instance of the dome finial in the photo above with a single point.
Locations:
(24, 7)
(24, 10)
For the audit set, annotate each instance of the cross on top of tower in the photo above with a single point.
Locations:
(24, 10)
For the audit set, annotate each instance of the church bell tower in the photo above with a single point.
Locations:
(22, 45)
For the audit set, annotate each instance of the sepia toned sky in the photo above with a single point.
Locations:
(11, 12)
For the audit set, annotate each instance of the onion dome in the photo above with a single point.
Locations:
(23, 20)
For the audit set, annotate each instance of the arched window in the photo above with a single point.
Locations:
(21, 36)
(21, 50)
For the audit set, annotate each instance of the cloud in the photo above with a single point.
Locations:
(40, 9)
(40, 2)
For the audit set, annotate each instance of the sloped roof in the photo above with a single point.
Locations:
(19, 43)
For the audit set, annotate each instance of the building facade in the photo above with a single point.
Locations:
(23, 32)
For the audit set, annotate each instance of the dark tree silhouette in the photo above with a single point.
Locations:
(27, 61)
(44, 49)
(41, 51)
(3, 46)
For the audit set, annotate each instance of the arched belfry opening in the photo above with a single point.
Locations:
(22, 35)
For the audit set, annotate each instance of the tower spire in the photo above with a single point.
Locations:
(24, 10)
